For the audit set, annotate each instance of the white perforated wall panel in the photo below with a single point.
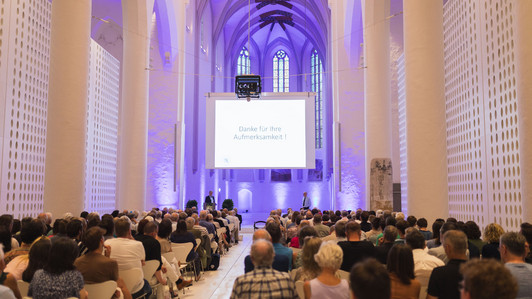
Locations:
(24, 64)
(481, 110)
(102, 131)
(402, 130)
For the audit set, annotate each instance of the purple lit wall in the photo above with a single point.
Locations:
(211, 52)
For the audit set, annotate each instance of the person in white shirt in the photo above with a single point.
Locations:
(423, 262)
(129, 254)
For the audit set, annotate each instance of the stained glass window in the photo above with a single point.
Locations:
(243, 67)
(316, 69)
(281, 66)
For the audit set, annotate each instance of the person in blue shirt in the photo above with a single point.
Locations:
(274, 229)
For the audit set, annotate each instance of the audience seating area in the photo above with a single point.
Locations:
(178, 249)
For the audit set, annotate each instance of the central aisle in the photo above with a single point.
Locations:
(218, 284)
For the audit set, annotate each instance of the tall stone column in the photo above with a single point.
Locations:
(523, 46)
(134, 113)
(377, 105)
(425, 109)
(64, 182)
(180, 13)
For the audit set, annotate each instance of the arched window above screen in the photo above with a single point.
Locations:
(243, 66)
(281, 71)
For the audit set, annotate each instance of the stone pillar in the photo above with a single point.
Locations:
(180, 13)
(523, 46)
(134, 113)
(64, 181)
(377, 105)
(425, 109)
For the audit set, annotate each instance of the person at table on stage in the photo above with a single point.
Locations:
(209, 202)
(306, 201)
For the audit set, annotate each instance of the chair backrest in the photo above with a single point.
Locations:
(181, 250)
(23, 287)
(198, 243)
(149, 269)
(423, 292)
(169, 256)
(343, 274)
(130, 277)
(293, 274)
(103, 290)
(300, 289)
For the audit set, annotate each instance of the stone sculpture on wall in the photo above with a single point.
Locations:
(381, 181)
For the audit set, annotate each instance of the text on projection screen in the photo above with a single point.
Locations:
(268, 134)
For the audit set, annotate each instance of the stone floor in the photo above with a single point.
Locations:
(218, 284)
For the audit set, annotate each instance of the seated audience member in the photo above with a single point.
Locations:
(401, 268)
(401, 226)
(274, 230)
(204, 250)
(181, 235)
(435, 241)
(29, 232)
(37, 258)
(390, 235)
(370, 280)
(59, 229)
(443, 282)
(294, 242)
(322, 230)
(163, 234)
(412, 221)
(6, 238)
(375, 230)
(152, 248)
(354, 249)
(487, 279)
(129, 254)
(424, 263)
(526, 231)
(365, 226)
(263, 281)
(422, 226)
(388, 221)
(492, 235)
(327, 284)
(19, 264)
(309, 268)
(513, 251)
(338, 234)
(59, 278)
(108, 224)
(74, 232)
(439, 251)
(7, 279)
(305, 233)
(280, 262)
(473, 235)
(95, 266)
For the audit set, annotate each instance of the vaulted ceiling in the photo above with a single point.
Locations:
(293, 23)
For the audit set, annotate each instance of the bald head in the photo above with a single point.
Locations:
(262, 253)
(261, 234)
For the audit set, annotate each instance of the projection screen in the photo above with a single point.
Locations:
(275, 131)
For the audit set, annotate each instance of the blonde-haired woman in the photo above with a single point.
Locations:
(309, 268)
(327, 284)
(492, 235)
